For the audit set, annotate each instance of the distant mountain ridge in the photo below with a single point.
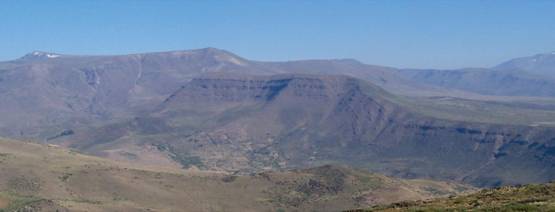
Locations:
(542, 65)
(526, 76)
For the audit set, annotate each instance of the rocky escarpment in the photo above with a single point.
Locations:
(258, 88)
(302, 120)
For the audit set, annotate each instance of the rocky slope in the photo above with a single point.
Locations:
(520, 198)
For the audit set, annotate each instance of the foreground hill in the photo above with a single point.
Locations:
(535, 197)
(48, 178)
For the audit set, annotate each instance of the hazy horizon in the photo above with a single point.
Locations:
(404, 34)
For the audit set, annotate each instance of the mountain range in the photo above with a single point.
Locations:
(212, 110)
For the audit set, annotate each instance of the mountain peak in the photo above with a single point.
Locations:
(542, 55)
(539, 64)
(222, 55)
(41, 55)
(216, 54)
(211, 50)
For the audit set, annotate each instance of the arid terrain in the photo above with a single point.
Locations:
(190, 130)
(47, 178)
(277, 105)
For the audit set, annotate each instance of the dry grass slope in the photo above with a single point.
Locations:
(36, 177)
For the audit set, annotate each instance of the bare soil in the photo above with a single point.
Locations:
(4, 202)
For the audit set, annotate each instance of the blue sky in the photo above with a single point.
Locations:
(418, 34)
